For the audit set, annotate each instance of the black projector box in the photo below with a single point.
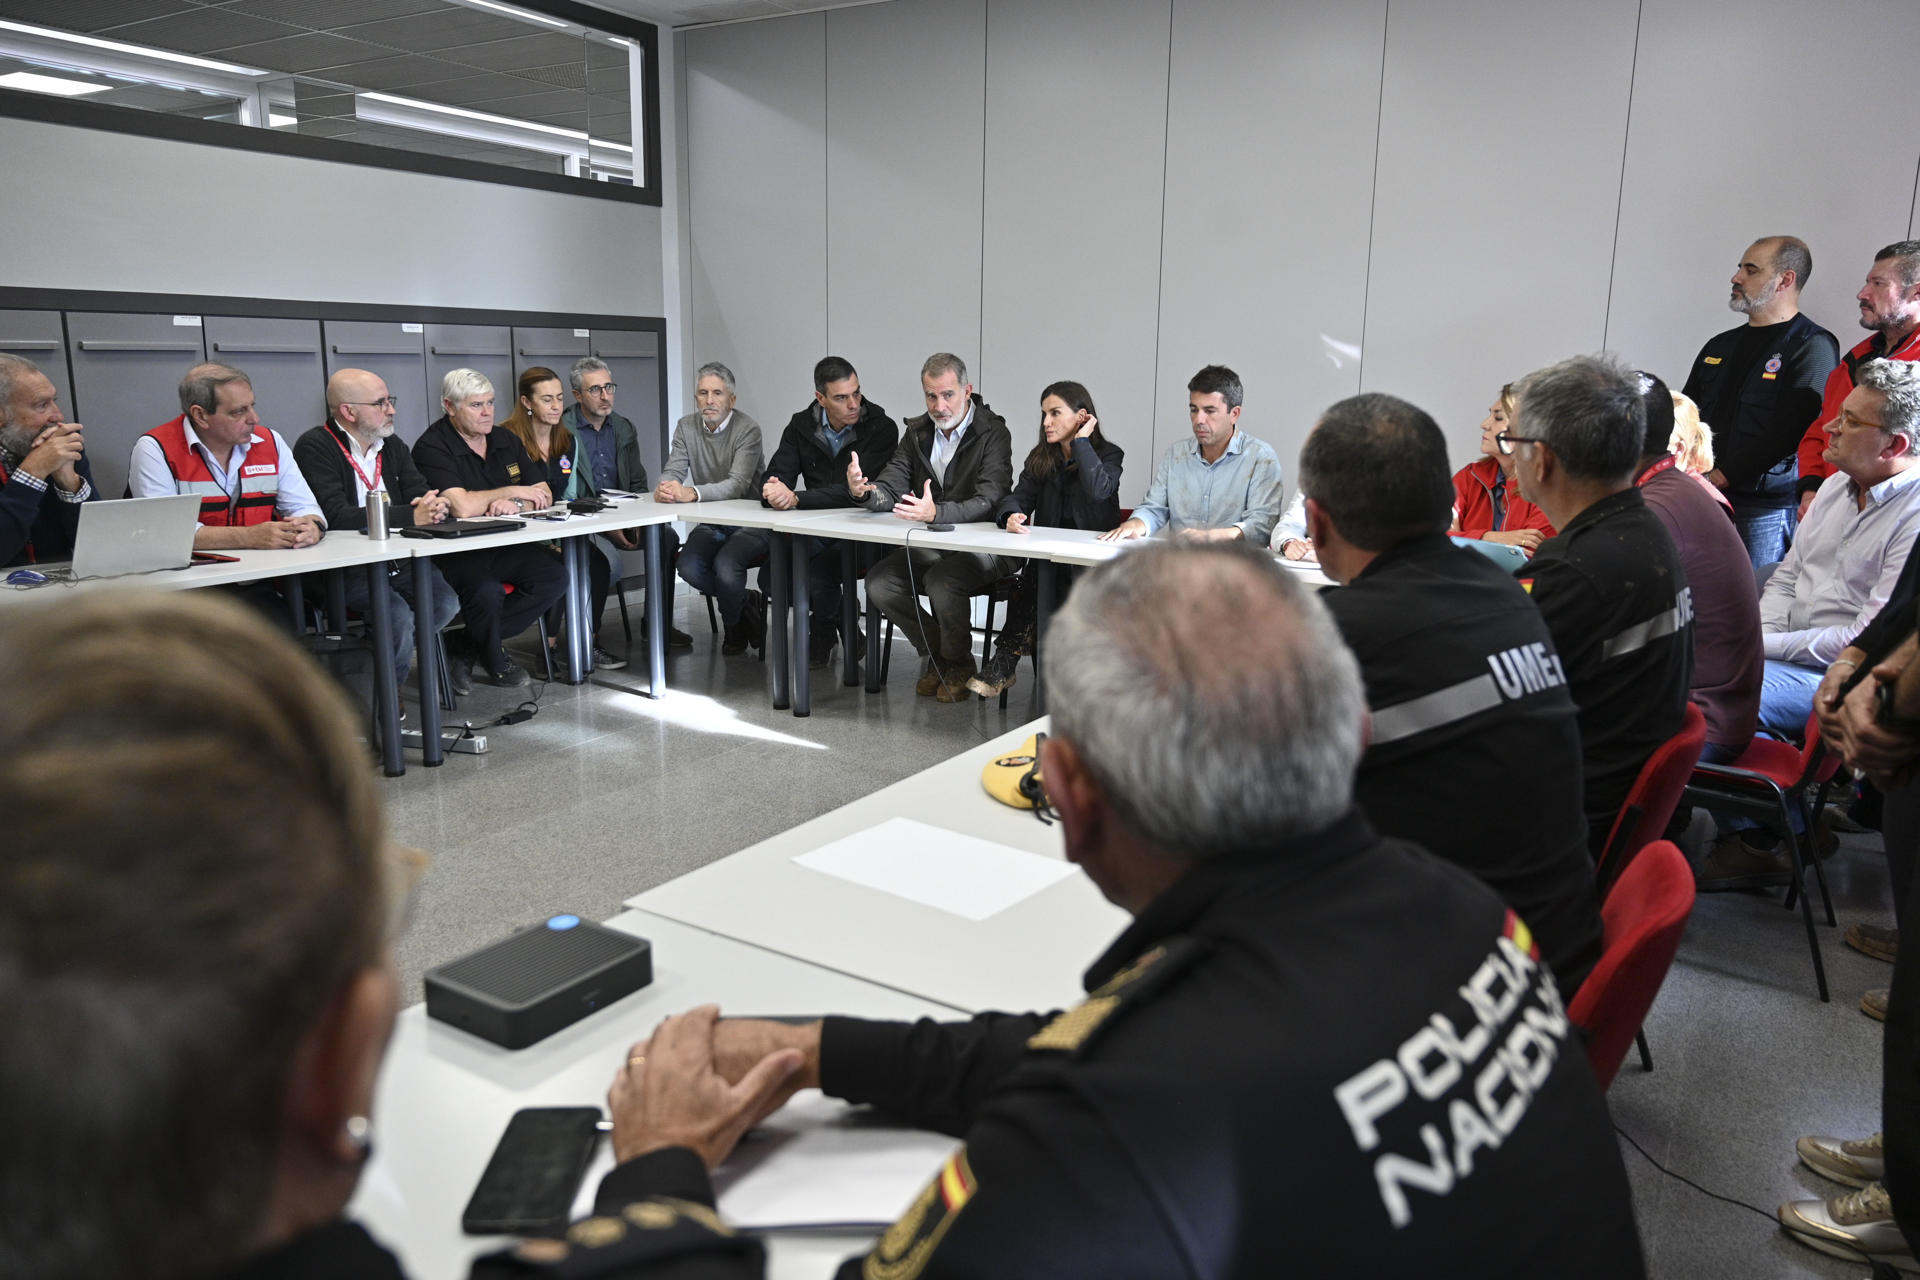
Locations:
(522, 989)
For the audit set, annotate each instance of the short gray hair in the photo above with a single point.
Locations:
(200, 388)
(944, 362)
(464, 384)
(12, 369)
(1899, 382)
(584, 366)
(714, 369)
(1588, 410)
(1210, 694)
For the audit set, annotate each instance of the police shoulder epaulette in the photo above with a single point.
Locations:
(646, 1231)
(1073, 1030)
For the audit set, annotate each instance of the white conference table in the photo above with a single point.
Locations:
(444, 1097)
(1029, 956)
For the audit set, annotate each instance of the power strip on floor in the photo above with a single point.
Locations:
(471, 744)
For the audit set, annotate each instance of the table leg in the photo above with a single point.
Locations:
(849, 616)
(386, 697)
(296, 596)
(874, 654)
(426, 661)
(780, 565)
(573, 556)
(656, 616)
(1044, 589)
(801, 588)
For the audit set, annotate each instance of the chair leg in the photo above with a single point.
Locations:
(886, 648)
(446, 689)
(626, 623)
(713, 618)
(1813, 852)
(1806, 904)
(1646, 1054)
(546, 649)
(986, 646)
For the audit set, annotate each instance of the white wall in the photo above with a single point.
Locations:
(1329, 195)
(88, 209)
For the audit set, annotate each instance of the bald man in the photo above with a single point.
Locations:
(354, 452)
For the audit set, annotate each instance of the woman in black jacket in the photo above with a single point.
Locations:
(1071, 480)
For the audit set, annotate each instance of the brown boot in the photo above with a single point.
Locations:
(954, 688)
(929, 682)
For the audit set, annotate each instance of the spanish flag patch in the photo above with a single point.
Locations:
(903, 1250)
(1516, 931)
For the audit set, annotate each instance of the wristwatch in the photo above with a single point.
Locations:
(520, 504)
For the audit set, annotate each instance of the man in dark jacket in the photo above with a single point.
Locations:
(1758, 388)
(815, 448)
(354, 453)
(44, 476)
(1469, 701)
(953, 466)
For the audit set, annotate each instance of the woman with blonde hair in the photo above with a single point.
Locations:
(1487, 503)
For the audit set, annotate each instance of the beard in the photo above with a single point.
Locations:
(16, 441)
(1747, 304)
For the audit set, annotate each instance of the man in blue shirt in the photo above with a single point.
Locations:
(1219, 486)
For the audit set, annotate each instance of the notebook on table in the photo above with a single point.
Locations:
(459, 528)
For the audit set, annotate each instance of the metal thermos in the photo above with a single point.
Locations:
(377, 515)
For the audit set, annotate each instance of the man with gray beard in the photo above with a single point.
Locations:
(44, 476)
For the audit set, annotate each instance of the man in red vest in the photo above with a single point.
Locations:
(251, 493)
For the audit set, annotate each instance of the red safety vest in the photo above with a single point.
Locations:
(254, 498)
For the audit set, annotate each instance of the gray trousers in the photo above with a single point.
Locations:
(949, 580)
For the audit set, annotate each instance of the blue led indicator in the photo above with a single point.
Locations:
(563, 922)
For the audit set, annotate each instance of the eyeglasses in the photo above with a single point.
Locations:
(1847, 420)
(384, 402)
(1506, 440)
(604, 389)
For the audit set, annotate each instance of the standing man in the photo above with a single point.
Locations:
(716, 456)
(1758, 387)
(1890, 309)
(252, 495)
(608, 457)
(815, 447)
(1610, 583)
(953, 467)
(483, 472)
(353, 454)
(44, 476)
(1221, 485)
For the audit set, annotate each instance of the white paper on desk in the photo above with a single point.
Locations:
(817, 1162)
(964, 875)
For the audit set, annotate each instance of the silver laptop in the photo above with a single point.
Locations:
(135, 535)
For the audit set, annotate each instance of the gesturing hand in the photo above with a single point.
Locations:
(922, 508)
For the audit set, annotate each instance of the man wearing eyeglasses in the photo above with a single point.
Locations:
(353, 454)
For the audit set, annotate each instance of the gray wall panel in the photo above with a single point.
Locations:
(1076, 136)
(1262, 270)
(282, 357)
(904, 163)
(1493, 217)
(1704, 179)
(39, 337)
(756, 113)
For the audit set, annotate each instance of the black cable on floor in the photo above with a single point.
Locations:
(1681, 1177)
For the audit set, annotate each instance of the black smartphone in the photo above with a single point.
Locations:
(529, 1184)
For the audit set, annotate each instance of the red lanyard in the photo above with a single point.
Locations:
(1665, 464)
(379, 461)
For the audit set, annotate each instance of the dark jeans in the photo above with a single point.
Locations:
(493, 614)
(715, 561)
(949, 580)
(823, 579)
(445, 606)
(1900, 1061)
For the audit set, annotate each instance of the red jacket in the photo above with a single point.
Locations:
(259, 486)
(1813, 446)
(1473, 488)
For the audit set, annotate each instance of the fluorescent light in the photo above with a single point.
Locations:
(277, 121)
(34, 82)
(138, 51)
(522, 14)
(487, 118)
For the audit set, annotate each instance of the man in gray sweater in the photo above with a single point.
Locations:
(716, 455)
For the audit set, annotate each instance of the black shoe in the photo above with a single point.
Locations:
(609, 660)
(753, 617)
(460, 676)
(820, 651)
(735, 640)
(998, 674)
(678, 639)
(510, 676)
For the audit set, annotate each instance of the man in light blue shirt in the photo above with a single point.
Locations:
(1218, 486)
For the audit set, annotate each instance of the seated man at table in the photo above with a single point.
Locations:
(1221, 485)
(483, 472)
(1610, 583)
(252, 494)
(715, 456)
(44, 475)
(1162, 1127)
(1482, 769)
(953, 466)
(354, 453)
(815, 447)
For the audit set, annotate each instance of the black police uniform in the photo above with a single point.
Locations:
(1615, 597)
(1475, 753)
(1759, 388)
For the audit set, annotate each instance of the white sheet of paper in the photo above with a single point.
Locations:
(964, 875)
(817, 1162)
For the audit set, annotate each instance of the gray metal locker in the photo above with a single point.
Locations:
(126, 379)
(557, 349)
(634, 357)
(398, 353)
(283, 359)
(37, 336)
(485, 347)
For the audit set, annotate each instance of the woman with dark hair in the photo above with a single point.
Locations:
(1071, 480)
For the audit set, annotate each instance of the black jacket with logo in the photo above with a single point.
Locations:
(1756, 450)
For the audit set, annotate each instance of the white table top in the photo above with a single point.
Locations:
(1028, 956)
(629, 513)
(338, 550)
(445, 1097)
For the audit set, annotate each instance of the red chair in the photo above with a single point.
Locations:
(1649, 806)
(1771, 780)
(1642, 920)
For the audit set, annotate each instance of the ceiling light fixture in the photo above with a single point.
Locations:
(59, 86)
(136, 50)
(487, 118)
(521, 14)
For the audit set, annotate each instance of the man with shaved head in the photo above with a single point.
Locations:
(354, 453)
(1758, 387)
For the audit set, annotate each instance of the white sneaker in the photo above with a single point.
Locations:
(1858, 1226)
(1854, 1161)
